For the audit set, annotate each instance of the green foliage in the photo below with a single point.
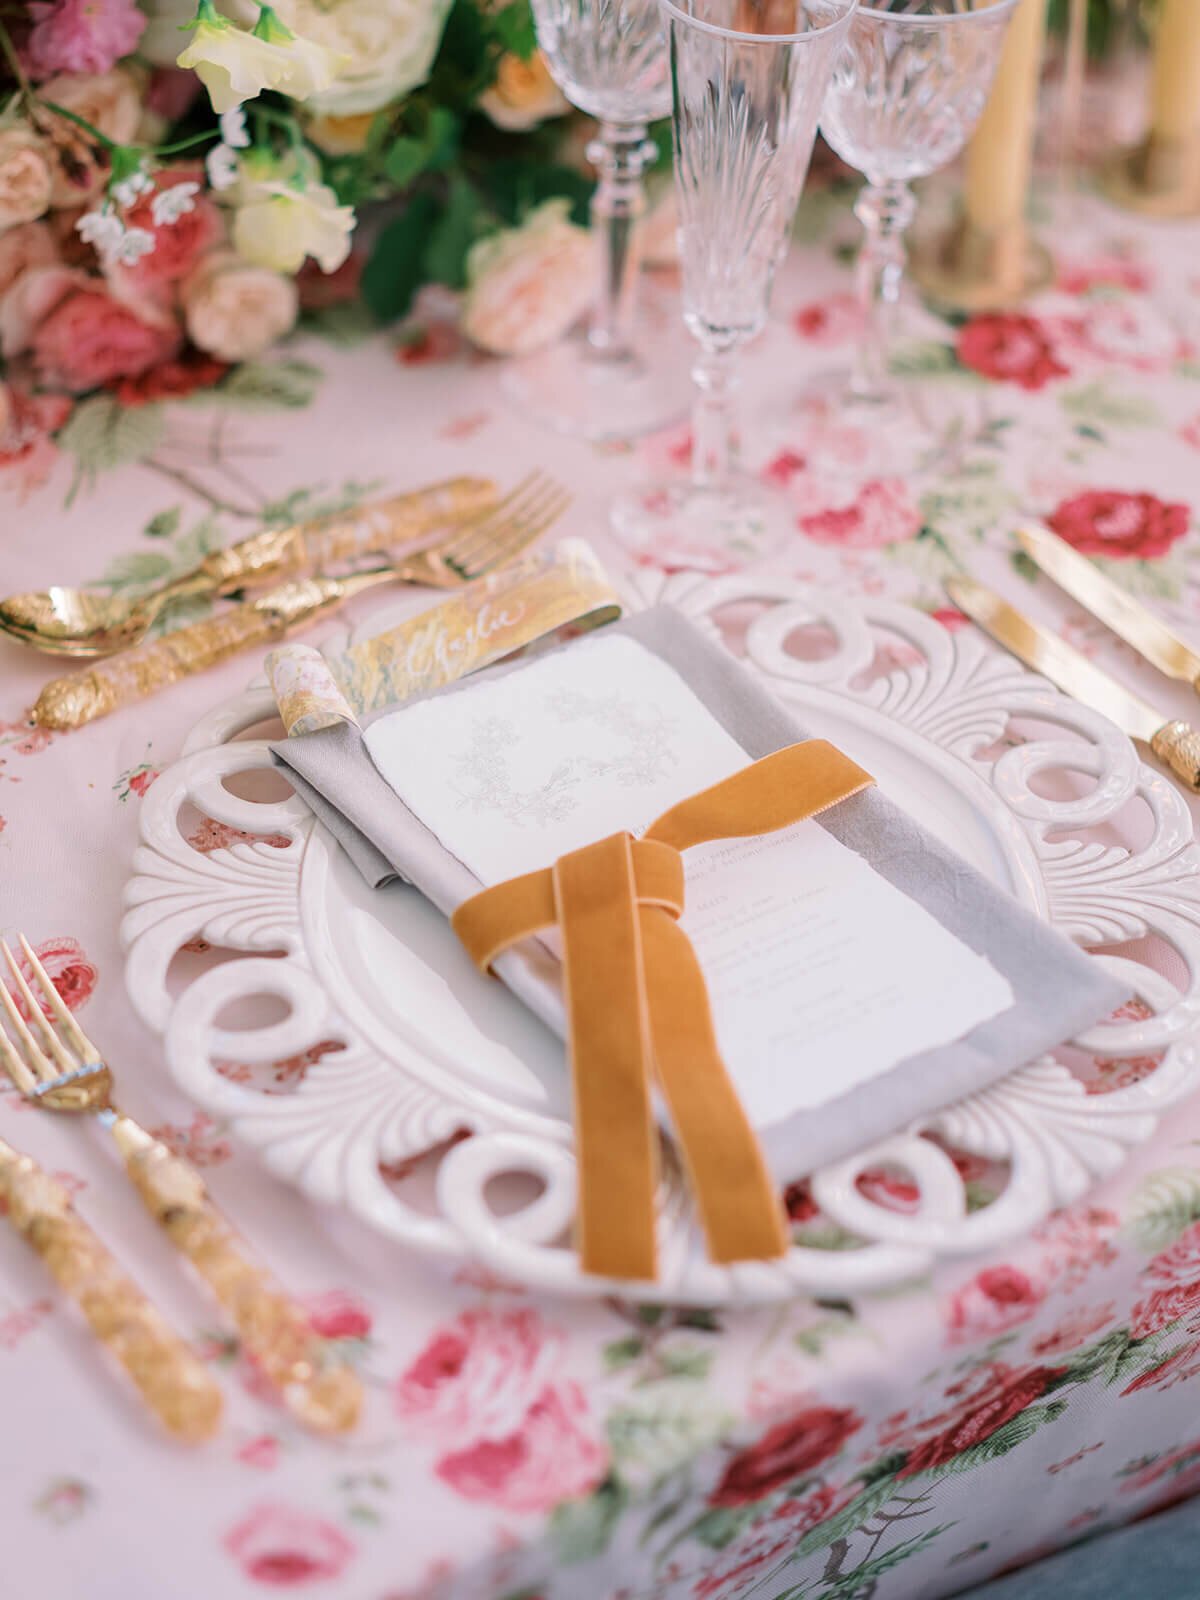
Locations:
(287, 385)
(102, 434)
(1098, 403)
(1162, 1206)
(453, 234)
(396, 269)
(721, 1525)
(163, 524)
(581, 1529)
(515, 188)
(514, 28)
(866, 1502)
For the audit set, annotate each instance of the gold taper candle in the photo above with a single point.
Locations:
(1175, 85)
(1001, 152)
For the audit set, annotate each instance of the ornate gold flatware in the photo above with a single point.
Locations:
(85, 623)
(172, 1381)
(69, 1075)
(486, 541)
(1176, 744)
(1116, 609)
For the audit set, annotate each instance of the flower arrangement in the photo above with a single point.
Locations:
(178, 186)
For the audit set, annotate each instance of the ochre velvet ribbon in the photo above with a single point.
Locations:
(637, 1008)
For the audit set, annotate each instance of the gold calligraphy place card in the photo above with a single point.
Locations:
(540, 595)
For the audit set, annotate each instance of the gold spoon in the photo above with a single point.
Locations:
(87, 623)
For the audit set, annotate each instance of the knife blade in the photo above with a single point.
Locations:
(1176, 744)
(1116, 609)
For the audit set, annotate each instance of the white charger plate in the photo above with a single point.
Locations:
(432, 1050)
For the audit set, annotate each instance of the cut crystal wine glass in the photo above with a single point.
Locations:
(748, 78)
(904, 98)
(609, 57)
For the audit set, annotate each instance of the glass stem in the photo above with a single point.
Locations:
(621, 154)
(714, 419)
(885, 211)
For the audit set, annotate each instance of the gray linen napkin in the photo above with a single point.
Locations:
(1058, 990)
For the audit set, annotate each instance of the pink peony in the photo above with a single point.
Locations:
(273, 1544)
(882, 513)
(554, 1454)
(996, 1299)
(81, 35)
(478, 1376)
(91, 338)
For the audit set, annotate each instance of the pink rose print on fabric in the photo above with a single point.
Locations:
(1190, 431)
(1103, 272)
(889, 1189)
(835, 320)
(1076, 1328)
(1121, 333)
(782, 468)
(478, 1376)
(950, 617)
(1180, 1467)
(1009, 348)
(767, 1542)
(882, 513)
(338, 1315)
(202, 1141)
(210, 835)
(261, 1452)
(1173, 1282)
(68, 969)
(996, 1299)
(555, 1454)
(17, 1325)
(284, 1548)
(1075, 1242)
(1120, 525)
(1177, 1368)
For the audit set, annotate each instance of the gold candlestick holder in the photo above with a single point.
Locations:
(969, 268)
(1158, 178)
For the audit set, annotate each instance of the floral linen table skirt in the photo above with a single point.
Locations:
(524, 1449)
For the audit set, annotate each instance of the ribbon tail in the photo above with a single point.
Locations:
(609, 1031)
(739, 1206)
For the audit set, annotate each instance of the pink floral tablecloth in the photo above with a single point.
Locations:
(517, 1448)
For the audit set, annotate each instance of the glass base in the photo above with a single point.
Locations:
(571, 389)
(676, 522)
(841, 391)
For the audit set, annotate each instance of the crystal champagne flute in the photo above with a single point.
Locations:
(748, 78)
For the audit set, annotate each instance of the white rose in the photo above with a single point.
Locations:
(26, 176)
(523, 94)
(527, 285)
(278, 225)
(389, 46)
(112, 103)
(235, 311)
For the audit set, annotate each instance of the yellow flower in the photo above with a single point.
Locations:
(279, 224)
(235, 66)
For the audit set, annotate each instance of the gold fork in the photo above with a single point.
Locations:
(474, 548)
(70, 1075)
(170, 1377)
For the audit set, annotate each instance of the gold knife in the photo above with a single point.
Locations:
(1116, 609)
(1176, 744)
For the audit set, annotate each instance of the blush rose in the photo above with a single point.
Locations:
(90, 338)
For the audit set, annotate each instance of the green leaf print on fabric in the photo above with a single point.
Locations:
(102, 434)
(1162, 1206)
(1099, 404)
(582, 1529)
(267, 386)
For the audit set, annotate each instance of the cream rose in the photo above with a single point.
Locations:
(523, 94)
(112, 103)
(234, 64)
(527, 285)
(277, 225)
(26, 175)
(389, 46)
(235, 311)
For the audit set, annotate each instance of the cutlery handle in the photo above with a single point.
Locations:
(309, 546)
(80, 697)
(275, 1331)
(1177, 745)
(173, 1382)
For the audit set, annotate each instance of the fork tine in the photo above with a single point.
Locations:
(76, 1038)
(519, 530)
(516, 505)
(21, 1074)
(66, 1063)
(496, 514)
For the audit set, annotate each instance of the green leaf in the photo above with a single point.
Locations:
(1097, 403)
(1187, 369)
(621, 1352)
(271, 386)
(868, 1500)
(406, 159)
(687, 1363)
(516, 188)
(163, 523)
(102, 434)
(862, 1580)
(347, 325)
(1004, 1439)
(441, 137)
(581, 1529)
(701, 1318)
(513, 26)
(923, 358)
(453, 235)
(1024, 565)
(396, 269)
(465, 62)
(137, 568)
(1162, 1206)
(721, 1525)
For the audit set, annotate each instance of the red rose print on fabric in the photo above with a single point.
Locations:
(784, 1453)
(765, 1543)
(882, 513)
(1177, 1368)
(834, 320)
(1075, 1329)
(980, 1417)
(1173, 1282)
(1009, 348)
(261, 1452)
(170, 380)
(555, 1454)
(996, 1299)
(1103, 272)
(284, 1548)
(1119, 525)
(202, 1141)
(478, 1376)
(338, 1315)
(68, 969)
